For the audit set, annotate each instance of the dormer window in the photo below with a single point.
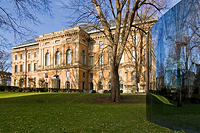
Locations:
(46, 43)
(57, 41)
(68, 39)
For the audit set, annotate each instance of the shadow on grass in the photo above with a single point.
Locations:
(160, 111)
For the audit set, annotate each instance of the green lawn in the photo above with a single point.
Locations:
(162, 112)
(63, 112)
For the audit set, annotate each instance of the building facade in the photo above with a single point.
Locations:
(76, 59)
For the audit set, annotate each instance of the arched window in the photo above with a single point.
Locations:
(100, 85)
(57, 58)
(133, 76)
(47, 59)
(121, 85)
(67, 85)
(83, 57)
(68, 56)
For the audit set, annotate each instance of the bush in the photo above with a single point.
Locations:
(105, 91)
(93, 91)
(121, 91)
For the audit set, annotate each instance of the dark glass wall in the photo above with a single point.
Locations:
(176, 41)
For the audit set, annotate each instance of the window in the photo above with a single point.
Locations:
(91, 46)
(121, 85)
(46, 75)
(108, 59)
(68, 39)
(100, 59)
(15, 68)
(47, 43)
(133, 55)
(57, 41)
(29, 55)
(21, 56)
(91, 86)
(109, 85)
(122, 59)
(15, 82)
(29, 67)
(83, 85)
(100, 44)
(57, 58)
(35, 66)
(83, 74)
(34, 82)
(35, 54)
(100, 85)
(91, 60)
(133, 76)
(120, 41)
(91, 75)
(68, 56)
(47, 59)
(67, 74)
(68, 85)
(100, 74)
(120, 74)
(83, 57)
(109, 74)
(21, 68)
(15, 57)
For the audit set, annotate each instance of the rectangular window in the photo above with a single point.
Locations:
(91, 60)
(133, 55)
(29, 67)
(15, 57)
(122, 59)
(15, 82)
(83, 74)
(91, 46)
(108, 59)
(109, 74)
(34, 82)
(46, 75)
(67, 74)
(35, 66)
(21, 68)
(21, 56)
(100, 44)
(15, 68)
(91, 75)
(100, 59)
(120, 74)
(35, 54)
(100, 74)
(29, 55)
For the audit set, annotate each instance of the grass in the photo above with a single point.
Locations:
(162, 112)
(63, 112)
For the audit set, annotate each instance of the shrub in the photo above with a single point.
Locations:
(105, 91)
(93, 91)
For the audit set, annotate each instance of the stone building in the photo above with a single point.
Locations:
(76, 59)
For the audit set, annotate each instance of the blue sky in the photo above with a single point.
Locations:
(50, 24)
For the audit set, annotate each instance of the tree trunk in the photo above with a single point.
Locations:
(115, 92)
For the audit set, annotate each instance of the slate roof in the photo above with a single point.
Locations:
(30, 41)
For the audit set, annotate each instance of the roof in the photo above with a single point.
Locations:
(28, 41)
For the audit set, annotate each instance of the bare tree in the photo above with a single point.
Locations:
(123, 12)
(16, 13)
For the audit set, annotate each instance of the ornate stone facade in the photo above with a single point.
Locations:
(75, 59)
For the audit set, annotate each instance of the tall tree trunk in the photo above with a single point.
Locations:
(115, 92)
